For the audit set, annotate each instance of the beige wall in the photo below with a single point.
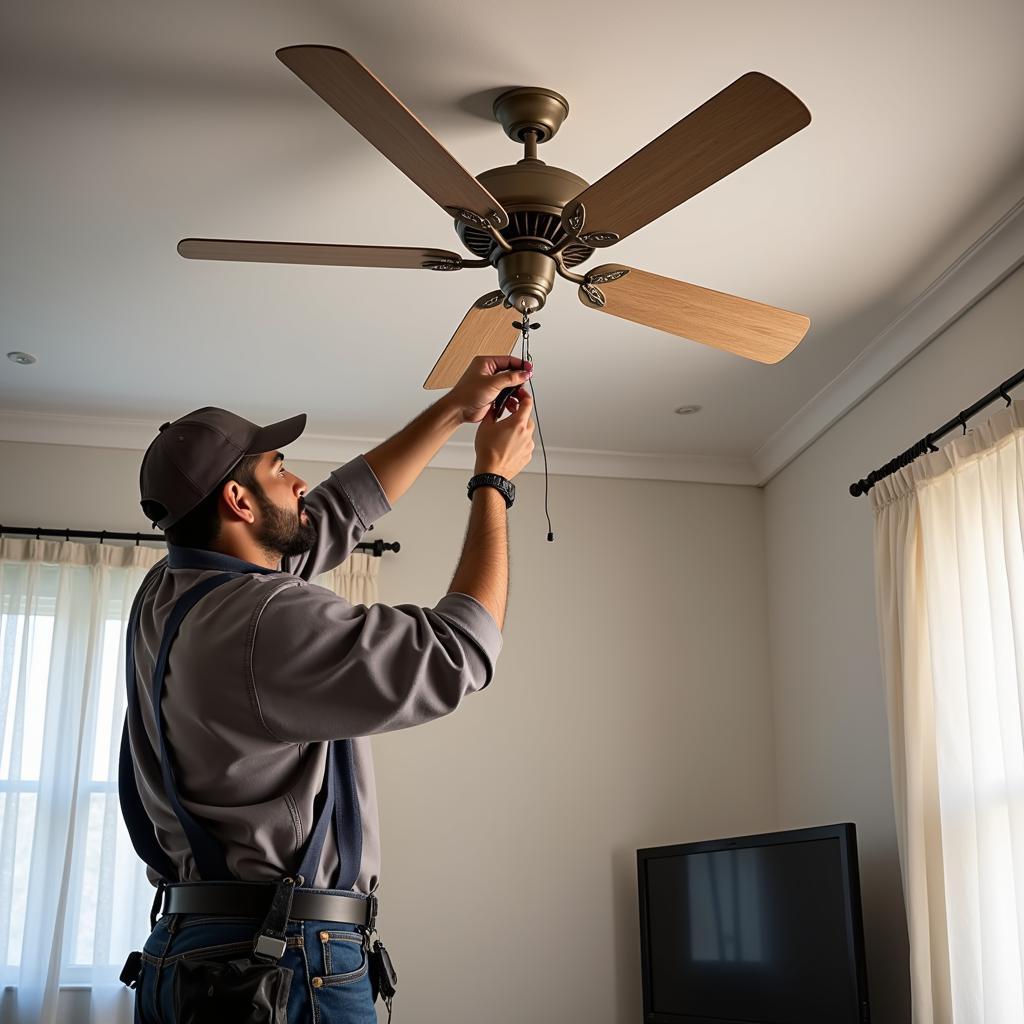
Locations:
(830, 711)
(631, 708)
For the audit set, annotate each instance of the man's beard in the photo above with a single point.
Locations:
(282, 532)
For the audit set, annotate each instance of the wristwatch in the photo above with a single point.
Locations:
(499, 483)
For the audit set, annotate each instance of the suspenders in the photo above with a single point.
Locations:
(338, 797)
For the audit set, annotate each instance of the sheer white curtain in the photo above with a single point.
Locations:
(355, 579)
(74, 899)
(949, 561)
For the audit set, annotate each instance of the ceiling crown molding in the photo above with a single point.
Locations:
(979, 269)
(135, 435)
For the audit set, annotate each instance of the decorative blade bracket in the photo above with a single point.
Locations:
(589, 288)
(574, 222)
(493, 219)
(474, 220)
(607, 276)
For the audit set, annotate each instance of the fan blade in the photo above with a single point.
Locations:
(386, 123)
(486, 330)
(750, 329)
(743, 121)
(325, 255)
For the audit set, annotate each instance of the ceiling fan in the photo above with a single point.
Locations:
(532, 221)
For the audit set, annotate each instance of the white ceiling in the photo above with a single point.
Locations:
(128, 126)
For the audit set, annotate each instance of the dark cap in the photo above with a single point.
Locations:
(189, 457)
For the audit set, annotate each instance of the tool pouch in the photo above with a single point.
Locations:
(208, 992)
(252, 989)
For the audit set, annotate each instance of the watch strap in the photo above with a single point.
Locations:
(503, 486)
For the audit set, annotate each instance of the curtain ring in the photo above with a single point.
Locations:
(102, 535)
(39, 530)
(67, 536)
(1003, 394)
(962, 419)
(136, 540)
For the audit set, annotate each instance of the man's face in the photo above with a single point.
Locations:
(282, 527)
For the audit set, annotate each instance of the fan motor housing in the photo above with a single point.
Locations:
(533, 193)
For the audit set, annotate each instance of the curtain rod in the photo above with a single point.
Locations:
(376, 547)
(927, 443)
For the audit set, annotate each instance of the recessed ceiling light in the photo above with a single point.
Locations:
(23, 358)
(687, 410)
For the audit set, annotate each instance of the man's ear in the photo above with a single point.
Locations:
(238, 501)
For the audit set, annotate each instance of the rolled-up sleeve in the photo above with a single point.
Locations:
(342, 508)
(321, 668)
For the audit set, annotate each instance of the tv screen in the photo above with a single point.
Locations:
(759, 929)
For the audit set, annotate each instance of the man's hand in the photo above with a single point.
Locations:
(505, 446)
(399, 460)
(482, 382)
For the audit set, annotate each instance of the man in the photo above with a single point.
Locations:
(251, 699)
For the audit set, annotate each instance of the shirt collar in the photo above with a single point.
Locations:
(199, 558)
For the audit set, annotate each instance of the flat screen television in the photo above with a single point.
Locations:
(754, 930)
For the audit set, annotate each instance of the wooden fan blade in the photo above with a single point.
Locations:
(743, 121)
(486, 330)
(401, 257)
(750, 329)
(386, 123)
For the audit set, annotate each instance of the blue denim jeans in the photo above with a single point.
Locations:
(330, 979)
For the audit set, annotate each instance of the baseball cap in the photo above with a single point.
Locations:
(191, 455)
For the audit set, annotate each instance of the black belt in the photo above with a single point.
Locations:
(252, 899)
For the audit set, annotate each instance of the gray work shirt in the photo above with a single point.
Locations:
(269, 667)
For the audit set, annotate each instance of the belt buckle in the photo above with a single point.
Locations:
(269, 947)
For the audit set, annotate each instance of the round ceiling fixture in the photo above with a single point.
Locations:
(22, 358)
(688, 410)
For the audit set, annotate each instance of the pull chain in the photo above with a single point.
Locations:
(525, 326)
